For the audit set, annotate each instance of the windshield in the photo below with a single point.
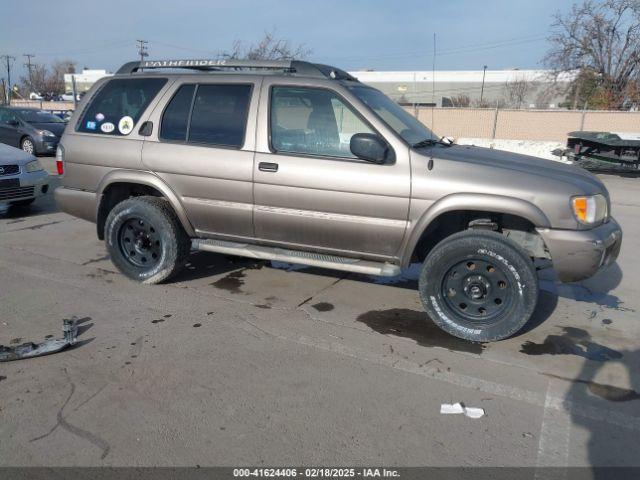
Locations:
(38, 116)
(402, 122)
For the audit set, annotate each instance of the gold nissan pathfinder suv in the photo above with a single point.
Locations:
(299, 162)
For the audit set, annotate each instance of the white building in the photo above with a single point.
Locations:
(84, 80)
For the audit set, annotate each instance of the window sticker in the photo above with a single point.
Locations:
(99, 117)
(125, 125)
(91, 125)
(107, 127)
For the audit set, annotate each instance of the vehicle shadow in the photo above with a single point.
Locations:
(42, 206)
(609, 443)
(595, 290)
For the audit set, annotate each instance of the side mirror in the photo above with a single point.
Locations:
(13, 122)
(369, 147)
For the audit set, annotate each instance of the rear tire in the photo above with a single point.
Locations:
(479, 286)
(145, 239)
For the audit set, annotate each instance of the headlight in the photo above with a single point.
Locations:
(590, 210)
(46, 133)
(33, 166)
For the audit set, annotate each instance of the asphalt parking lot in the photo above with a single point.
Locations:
(238, 362)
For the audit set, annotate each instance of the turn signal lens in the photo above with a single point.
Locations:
(580, 208)
(590, 210)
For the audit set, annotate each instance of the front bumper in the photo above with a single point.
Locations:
(46, 145)
(32, 185)
(579, 254)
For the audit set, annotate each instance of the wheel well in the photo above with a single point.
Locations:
(518, 229)
(116, 193)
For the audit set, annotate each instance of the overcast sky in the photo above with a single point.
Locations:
(383, 35)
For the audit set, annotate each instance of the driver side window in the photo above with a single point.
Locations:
(312, 121)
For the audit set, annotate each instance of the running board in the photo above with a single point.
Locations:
(295, 256)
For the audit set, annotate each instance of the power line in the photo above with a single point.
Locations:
(456, 50)
(103, 47)
(187, 49)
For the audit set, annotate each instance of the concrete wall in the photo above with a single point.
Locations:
(545, 125)
(42, 104)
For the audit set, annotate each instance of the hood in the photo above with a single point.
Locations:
(522, 165)
(13, 156)
(56, 128)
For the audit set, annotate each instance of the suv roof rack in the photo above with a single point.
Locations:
(294, 67)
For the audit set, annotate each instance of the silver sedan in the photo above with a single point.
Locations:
(22, 178)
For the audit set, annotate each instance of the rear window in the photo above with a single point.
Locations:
(117, 107)
(216, 116)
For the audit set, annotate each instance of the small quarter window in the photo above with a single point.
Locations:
(176, 116)
(313, 121)
(118, 106)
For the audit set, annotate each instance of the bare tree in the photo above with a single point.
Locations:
(48, 82)
(461, 100)
(268, 48)
(602, 38)
(516, 91)
(485, 103)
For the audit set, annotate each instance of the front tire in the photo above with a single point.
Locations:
(28, 145)
(145, 239)
(479, 286)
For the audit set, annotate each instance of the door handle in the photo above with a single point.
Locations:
(267, 167)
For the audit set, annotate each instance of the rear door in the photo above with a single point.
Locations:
(310, 191)
(204, 148)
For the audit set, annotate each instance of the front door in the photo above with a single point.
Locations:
(310, 191)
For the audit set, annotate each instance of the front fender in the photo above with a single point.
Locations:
(474, 202)
(151, 180)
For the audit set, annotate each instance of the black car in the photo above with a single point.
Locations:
(34, 131)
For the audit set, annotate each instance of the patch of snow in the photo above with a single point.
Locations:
(535, 148)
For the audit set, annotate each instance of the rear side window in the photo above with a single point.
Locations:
(117, 107)
(212, 115)
(219, 115)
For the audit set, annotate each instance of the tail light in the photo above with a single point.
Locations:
(60, 160)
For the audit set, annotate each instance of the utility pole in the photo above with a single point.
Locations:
(29, 65)
(484, 73)
(8, 59)
(142, 49)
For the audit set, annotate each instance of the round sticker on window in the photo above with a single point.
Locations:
(99, 117)
(107, 127)
(125, 125)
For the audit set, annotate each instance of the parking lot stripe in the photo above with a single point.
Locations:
(555, 436)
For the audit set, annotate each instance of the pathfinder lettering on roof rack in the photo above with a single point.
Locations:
(182, 63)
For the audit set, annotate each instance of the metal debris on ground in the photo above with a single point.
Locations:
(29, 349)
(459, 408)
